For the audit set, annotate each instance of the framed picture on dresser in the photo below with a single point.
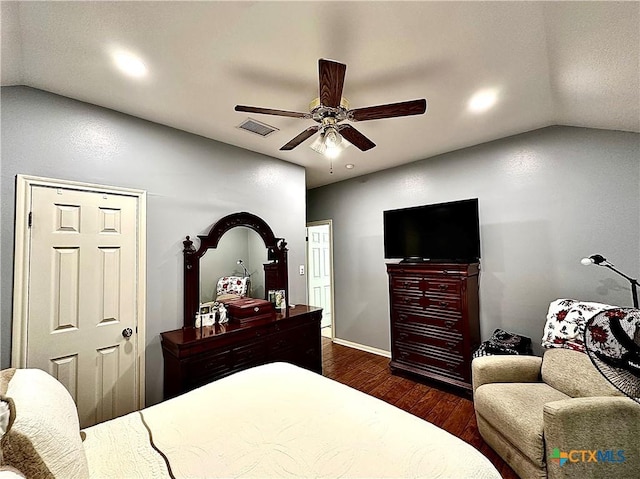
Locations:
(277, 297)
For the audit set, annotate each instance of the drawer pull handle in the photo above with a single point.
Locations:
(449, 324)
(444, 304)
(451, 345)
(442, 287)
(402, 317)
(403, 336)
(404, 355)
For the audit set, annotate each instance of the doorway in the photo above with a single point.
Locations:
(320, 272)
(79, 291)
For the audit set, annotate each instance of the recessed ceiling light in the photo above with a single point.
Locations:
(483, 100)
(349, 166)
(129, 64)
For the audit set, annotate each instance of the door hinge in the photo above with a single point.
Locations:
(30, 219)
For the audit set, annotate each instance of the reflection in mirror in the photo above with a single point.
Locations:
(239, 243)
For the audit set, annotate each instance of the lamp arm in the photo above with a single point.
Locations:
(633, 281)
(628, 278)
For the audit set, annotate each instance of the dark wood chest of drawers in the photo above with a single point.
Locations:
(434, 320)
(194, 357)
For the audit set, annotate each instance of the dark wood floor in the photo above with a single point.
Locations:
(370, 373)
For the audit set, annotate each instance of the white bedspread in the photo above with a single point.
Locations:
(279, 421)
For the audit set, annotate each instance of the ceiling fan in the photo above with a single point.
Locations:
(330, 109)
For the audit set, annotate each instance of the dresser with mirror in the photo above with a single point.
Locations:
(240, 250)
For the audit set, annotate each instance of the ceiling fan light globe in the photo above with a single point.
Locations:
(332, 153)
(332, 138)
(318, 144)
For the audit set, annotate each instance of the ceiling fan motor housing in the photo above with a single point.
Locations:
(319, 112)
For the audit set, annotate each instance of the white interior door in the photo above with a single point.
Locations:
(82, 309)
(319, 271)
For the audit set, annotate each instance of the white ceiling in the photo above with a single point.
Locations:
(568, 63)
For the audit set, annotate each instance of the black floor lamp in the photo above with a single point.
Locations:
(602, 261)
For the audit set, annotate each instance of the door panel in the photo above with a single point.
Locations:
(319, 254)
(82, 295)
(65, 370)
(110, 265)
(66, 296)
(107, 382)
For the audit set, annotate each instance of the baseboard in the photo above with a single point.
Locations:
(362, 347)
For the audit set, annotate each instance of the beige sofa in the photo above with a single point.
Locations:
(537, 413)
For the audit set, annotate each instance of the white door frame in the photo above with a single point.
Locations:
(21, 266)
(331, 293)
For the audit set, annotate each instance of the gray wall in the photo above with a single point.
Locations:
(191, 182)
(547, 198)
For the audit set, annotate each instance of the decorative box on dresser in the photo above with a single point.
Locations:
(434, 320)
(194, 357)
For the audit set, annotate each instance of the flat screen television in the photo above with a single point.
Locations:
(440, 232)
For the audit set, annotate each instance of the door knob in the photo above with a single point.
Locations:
(127, 332)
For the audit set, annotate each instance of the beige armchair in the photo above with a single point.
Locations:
(556, 417)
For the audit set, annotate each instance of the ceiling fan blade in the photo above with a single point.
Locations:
(300, 138)
(392, 110)
(269, 111)
(331, 82)
(356, 138)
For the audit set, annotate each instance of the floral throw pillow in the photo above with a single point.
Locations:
(232, 285)
(566, 322)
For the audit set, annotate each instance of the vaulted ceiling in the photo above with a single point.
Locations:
(546, 63)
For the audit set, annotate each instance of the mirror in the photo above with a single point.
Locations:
(239, 236)
(238, 244)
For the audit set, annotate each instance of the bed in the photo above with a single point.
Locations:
(275, 420)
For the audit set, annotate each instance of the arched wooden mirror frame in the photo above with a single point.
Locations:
(275, 272)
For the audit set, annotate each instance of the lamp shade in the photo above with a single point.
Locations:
(593, 259)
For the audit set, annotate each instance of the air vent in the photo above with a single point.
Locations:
(257, 127)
